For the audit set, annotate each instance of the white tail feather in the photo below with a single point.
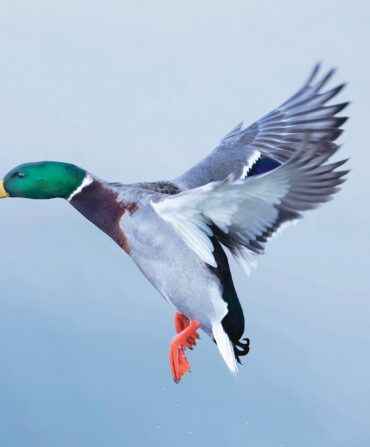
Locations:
(225, 347)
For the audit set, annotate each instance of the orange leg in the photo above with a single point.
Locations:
(182, 322)
(186, 338)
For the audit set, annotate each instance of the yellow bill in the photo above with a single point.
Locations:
(3, 193)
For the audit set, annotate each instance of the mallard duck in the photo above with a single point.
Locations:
(258, 179)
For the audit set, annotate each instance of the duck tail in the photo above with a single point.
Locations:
(226, 347)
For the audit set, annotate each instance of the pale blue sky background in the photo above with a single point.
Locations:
(140, 91)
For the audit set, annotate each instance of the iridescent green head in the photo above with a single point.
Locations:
(42, 180)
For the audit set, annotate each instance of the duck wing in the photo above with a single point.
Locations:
(275, 136)
(244, 213)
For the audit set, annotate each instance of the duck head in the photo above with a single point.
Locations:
(94, 199)
(42, 180)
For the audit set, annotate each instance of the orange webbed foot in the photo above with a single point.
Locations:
(186, 337)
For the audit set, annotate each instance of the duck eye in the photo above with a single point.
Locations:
(20, 174)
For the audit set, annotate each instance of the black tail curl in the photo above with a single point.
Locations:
(241, 349)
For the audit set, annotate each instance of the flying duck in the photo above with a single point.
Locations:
(259, 178)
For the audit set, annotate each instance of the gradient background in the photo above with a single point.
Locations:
(141, 91)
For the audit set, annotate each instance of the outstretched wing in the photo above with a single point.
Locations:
(244, 213)
(275, 136)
